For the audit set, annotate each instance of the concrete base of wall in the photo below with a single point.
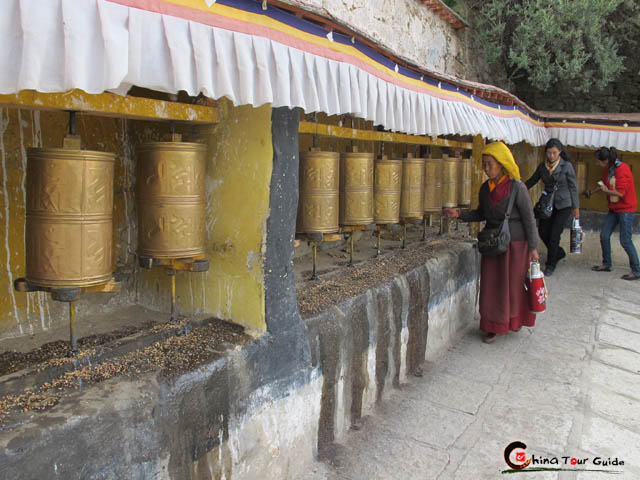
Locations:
(260, 412)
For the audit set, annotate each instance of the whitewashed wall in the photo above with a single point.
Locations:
(406, 28)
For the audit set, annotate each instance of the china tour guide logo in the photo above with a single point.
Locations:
(516, 457)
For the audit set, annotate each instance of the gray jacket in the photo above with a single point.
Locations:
(565, 177)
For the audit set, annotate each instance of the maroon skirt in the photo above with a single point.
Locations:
(504, 303)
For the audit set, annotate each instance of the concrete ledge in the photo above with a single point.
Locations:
(263, 411)
(228, 419)
(368, 345)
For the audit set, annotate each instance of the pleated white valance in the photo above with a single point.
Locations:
(233, 49)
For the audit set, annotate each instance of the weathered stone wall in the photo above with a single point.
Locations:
(407, 29)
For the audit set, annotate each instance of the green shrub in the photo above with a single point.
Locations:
(546, 43)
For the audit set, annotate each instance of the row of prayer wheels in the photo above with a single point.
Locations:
(69, 231)
(354, 189)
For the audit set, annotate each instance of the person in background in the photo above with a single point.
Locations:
(503, 299)
(557, 170)
(617, 184)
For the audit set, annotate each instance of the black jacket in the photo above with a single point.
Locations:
(565, 177)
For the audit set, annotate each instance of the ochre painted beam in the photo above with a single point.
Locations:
(111, 105)
(375, 136)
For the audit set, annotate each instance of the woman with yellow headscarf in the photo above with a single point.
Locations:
(504, 303)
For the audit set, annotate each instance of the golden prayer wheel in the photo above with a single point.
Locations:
(581, 176)
(412, 198)
(449, 182)
(319, 185)
(433, 185)
(464, 182)
(388, 188)
(356, 188)
(170, 188)
(69, 217)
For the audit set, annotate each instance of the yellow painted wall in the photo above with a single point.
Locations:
(341, 145)
(238, 180)
(239, 165)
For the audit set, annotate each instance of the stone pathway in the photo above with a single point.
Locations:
(570, 387)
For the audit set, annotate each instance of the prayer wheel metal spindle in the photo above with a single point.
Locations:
(69, 217)
(388, 189)
(464, 182)
(171, 199)
(449, 182)
(319, 186)
(581, 176)
(356, 188)
(412, 197)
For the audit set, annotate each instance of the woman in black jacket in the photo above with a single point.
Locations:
(556, 172)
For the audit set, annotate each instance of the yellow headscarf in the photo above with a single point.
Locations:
(504, 157)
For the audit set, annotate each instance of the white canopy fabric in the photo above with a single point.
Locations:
(238, 51)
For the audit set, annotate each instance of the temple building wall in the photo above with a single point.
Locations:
(406, 28)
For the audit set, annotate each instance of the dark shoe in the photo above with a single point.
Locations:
(601, 268)
(549, 270)
(490, 337)
(561, 254)
(631, 276)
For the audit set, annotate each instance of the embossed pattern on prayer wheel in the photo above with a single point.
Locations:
(69, 217)
(464, 182)
(387, 191)
(449, 182)
(170, 187)
(319, 186)
(356, 188)
(412, 198)
(581, 176)
(433, 185)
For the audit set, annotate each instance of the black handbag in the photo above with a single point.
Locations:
(543, 209)
(495, 241)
